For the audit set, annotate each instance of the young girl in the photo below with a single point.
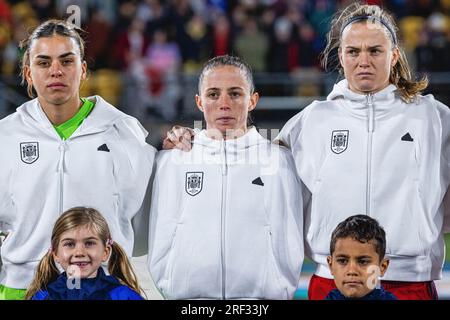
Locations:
(80, 242)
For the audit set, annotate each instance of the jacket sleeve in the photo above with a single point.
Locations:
(134, 169)
(445, 166)
(447, 211)
(285, 198)
(40, 295)
(294, 136)
(290, 133)
(164, 213)
(5, 199)
(124, 293)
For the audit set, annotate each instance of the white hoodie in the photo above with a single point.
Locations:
(375, 155)
(225, 223)
(105, 164)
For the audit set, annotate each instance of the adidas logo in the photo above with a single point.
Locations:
(258, 182)
(407, 137)
(103, 147)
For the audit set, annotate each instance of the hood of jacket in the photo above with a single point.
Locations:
(101, 118)
(384, 101)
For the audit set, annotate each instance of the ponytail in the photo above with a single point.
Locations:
(119, 266)
(46, 272)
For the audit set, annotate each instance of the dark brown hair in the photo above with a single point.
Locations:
(363, 229)
(48, 29)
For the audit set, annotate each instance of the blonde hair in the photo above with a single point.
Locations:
(48, 29)
(401, 75)
(118, 264)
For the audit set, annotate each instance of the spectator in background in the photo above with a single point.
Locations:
(282, 52)
(154, 15)
(5, 28)
(319, 16)
(424, 53)
(283, 56)
(252, 45)
(180, 12)
(307, 47)
(221, 35)
(197, 45)
(162, 63)
(432, 50)
(129, 52)
(149, 10)
(98, 41)
(126, 13)
(266, 20)
(44, 9)
(5, 13)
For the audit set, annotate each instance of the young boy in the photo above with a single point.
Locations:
(357, 249)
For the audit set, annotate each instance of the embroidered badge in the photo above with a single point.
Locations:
(29, 151)
(194, 183)
(339, 141)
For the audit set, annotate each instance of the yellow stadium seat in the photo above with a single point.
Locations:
(105, 83)
(410, 28)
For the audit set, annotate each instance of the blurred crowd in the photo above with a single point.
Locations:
(140, 47)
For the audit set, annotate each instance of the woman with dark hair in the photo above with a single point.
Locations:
(224, 224)
(61, 151)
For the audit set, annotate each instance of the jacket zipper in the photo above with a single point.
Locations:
(62, 150)
(222, 214)
(370, 129)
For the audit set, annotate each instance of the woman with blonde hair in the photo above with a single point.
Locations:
(375, 146)
(80, 243)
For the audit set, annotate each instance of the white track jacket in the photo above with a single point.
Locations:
(375, 155)
(106, 164)
(226, 221)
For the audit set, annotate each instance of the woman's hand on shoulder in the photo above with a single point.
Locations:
(179, 138)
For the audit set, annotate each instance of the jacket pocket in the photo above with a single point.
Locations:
(403, 236)
(316, 222)
(166, 287)
(273, 288)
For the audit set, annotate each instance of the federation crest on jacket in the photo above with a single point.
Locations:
(339, 141)
(29, 151)
(194, 183)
